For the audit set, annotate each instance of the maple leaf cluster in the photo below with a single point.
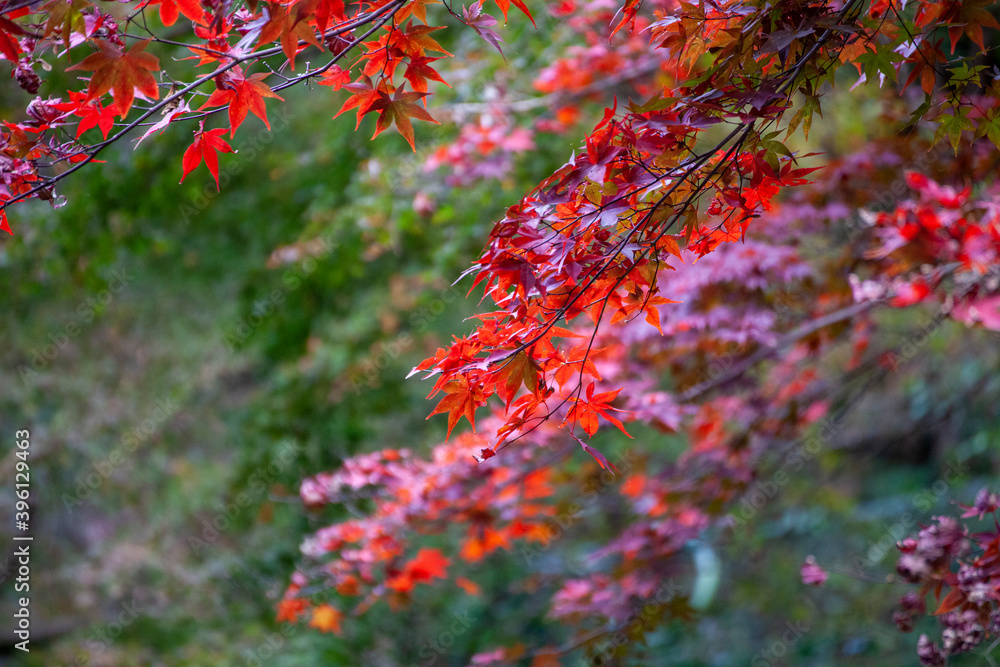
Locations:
(944, 245)
(748, 67)
(483, 149)
(744, 352)
(485, 507)
(484, 502)
(391, 44)
(653, 250)
(947, 556)
(592, 238)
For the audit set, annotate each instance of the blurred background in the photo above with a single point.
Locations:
(180, 354)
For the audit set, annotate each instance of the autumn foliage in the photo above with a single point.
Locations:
(672, 236)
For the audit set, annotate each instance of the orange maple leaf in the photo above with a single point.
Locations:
(461, 401)
(417, 7)
(419, 70)
(335, 77)
(399, 110)
(586, 411)
(426, 565)
(326, 619)
(481, 542)
(512, 373)
(470, 587)
(504, 5)
(291, 27)
(416, 40)
(653, 313)
(120, 72)
(366, 97)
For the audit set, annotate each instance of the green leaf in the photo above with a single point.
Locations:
(772, 159)
(990, 128)
(918, 114)
(804, 116)
(880, 62)
(773, 146)
(952, 126)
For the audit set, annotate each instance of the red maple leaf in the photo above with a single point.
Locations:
(512, 373)
(504, 5)
(93, 114)
(9, 45)
(242, 94)
(419, 70)
(169, 8)
(291, 27)
(366, 97)
(96, 115)
(426, 565)
(206, 145)
(335, 77)
(322, 11)
(587, 411)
